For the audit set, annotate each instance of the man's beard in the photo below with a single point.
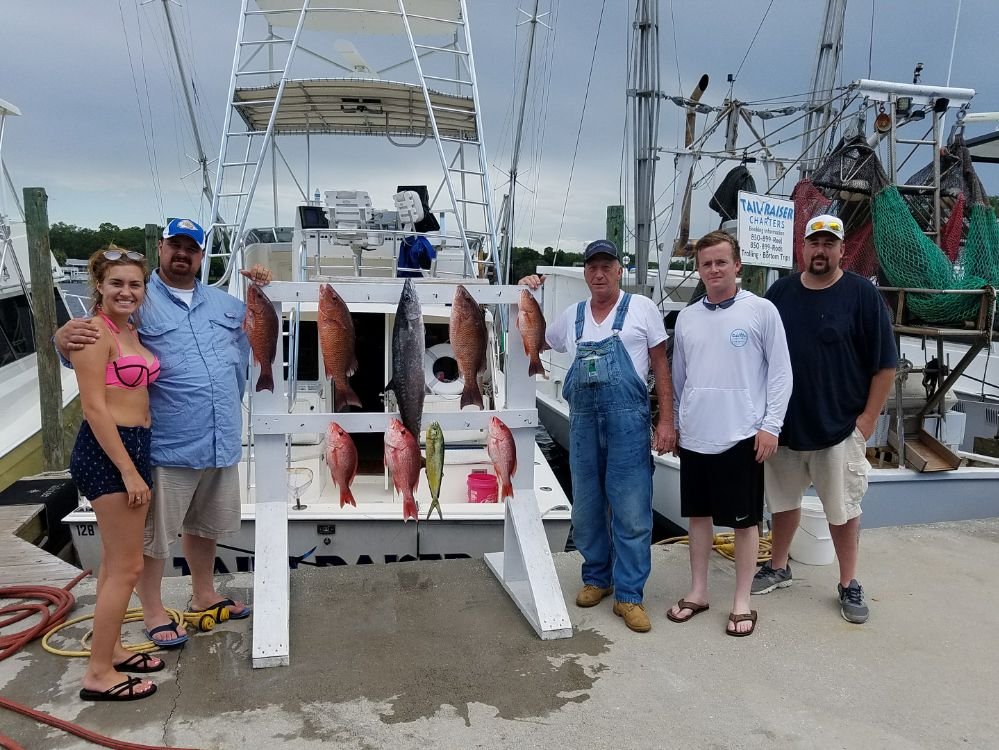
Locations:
(817, 272)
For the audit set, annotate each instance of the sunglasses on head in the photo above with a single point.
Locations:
(117, 255)
(832, 226)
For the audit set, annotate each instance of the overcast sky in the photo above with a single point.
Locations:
(104, 129)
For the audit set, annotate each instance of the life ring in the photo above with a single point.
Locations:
(433, 356)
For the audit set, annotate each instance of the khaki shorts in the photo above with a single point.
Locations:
(199, 502)
(839, 474)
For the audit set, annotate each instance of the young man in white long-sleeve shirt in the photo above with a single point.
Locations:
(732, 383)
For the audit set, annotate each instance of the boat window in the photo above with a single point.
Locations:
(17, 338)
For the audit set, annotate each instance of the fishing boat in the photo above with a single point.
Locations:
(314, 85)
(946, 400)
(20, 410)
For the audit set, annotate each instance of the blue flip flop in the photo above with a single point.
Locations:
(171, 626)
(241, 615)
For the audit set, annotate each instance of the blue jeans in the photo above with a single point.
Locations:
(611, 463)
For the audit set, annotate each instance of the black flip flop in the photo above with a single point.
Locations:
(123, 691)
(140, 664)
(241, 615)
(695, 610)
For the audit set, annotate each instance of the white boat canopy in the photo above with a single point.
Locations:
(379, 17)
(357, 107)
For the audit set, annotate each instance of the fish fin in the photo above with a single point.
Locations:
(471, 394)
(537, 368)
(265, 382)
(545, 347)
(346, 497)
(389, 386)
(410, 509)
(344, 397)
(435, 504)
(352, 368)
(506, 488)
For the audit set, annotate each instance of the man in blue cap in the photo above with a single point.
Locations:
(614, 337)
(196, 331)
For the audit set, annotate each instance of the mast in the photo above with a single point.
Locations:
(643, 89)
(823, 81)
(510, 203)
(206, 187)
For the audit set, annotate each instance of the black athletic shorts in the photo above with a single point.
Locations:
(727, 486)
(95, 474)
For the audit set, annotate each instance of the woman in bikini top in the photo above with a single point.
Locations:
(110, 464)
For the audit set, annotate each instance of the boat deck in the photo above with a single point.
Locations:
(434, 654)
(21, 562)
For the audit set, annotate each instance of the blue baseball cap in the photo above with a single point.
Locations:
(185, 227)
(600, 247)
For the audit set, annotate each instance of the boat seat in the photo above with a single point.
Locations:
(351, 210)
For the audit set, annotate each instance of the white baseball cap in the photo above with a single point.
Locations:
(825, 223)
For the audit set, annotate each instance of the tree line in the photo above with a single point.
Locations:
(70, 241)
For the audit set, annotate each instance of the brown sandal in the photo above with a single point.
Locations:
(736, 619)
(695, 609)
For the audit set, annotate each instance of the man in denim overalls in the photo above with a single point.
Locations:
(614, 337)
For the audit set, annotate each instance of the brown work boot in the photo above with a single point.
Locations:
(634, 616)
(590, 595)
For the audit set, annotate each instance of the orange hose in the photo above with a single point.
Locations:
(44, 597)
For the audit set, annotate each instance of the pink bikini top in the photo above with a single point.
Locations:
(129, 371)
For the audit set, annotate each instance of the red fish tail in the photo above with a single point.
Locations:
(409, 508)
(266, 381)
(344, 396)
(506, 489)
(537, 368)
(346, 497)
(471, 394)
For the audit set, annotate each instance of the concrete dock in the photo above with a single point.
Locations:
(435, 655)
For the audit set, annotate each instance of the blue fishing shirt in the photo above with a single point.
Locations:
(196, 403)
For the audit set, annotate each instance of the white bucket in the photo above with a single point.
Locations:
(812, 543)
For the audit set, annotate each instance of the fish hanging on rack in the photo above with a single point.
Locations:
(402, 456)
(502, 452)
(341, 458)
(467, 331)
(336, 340)
(531, 324)
(435, 467)
(262, 327)
(408, 349)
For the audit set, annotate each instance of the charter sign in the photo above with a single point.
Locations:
(766, 230)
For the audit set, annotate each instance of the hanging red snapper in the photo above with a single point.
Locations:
(402, 456)
(336, 339)
(503, 453)
(341, 458)
(531, 324)
(262, 326)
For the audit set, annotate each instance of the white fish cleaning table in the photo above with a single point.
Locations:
(525, 567)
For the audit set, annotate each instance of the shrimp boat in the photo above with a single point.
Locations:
(20, 410)
(403, 160)
(934, 454)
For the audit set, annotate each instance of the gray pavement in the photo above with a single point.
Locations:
(427, 655)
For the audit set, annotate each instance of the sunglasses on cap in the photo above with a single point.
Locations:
(832, 226)
(117, 255)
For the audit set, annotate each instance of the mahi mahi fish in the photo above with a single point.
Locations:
(402, 456)
(467, 331)
(503, 453)
(261, 325)
(531, 324)
(408, 350)
(341, 458)
(435, 466)
(336, 339)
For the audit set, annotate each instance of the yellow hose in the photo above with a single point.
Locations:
(132, 615)
(724, 544)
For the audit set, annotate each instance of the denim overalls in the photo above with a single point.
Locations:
(611, 463)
